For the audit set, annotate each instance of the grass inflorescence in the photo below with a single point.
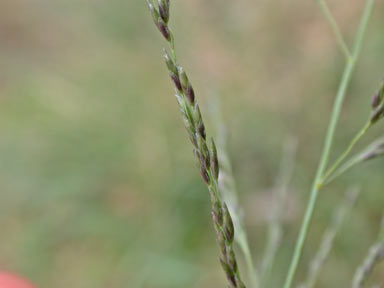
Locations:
(205, 151)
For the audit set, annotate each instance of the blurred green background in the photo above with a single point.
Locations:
(97, 177)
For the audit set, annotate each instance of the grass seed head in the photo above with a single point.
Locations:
(378, 105)
(378, 113)
(164, 10)
(214, 160)
(205, 175)
(164, 29)
(375, 152)
(228, 225)
(378, 98)
(170, 64)
(230, 274)
(176, 80)
(207, 159)
(154, 12)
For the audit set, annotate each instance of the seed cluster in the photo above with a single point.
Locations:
(376, 150)
(205, 152)
(378, 105)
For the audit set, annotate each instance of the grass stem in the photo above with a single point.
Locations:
(345, 154)
(275, 225)
(340, 214)
(335, 28)
(376, 149)
(328, 143)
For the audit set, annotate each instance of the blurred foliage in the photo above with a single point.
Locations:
(97, 178)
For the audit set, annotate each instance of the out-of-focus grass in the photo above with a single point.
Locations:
(98, 185)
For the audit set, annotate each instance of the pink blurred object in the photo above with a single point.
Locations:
(9, 280)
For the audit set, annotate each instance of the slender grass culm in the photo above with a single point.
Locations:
(319, 181)
(226, 215)
(329, 236)
(206, 154)
(275, 225)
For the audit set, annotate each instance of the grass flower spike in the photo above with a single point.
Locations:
(205, 152)
(378, 105)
